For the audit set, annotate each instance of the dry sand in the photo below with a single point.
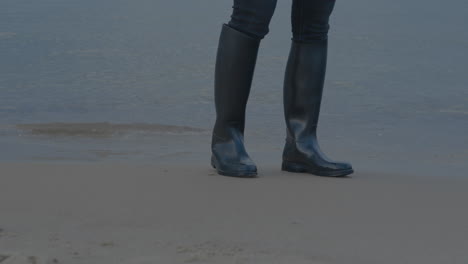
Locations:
(98, 213)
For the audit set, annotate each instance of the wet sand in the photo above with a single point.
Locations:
(129, 213)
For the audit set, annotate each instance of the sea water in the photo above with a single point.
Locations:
(94, 80)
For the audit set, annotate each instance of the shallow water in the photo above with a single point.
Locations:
(395, 89)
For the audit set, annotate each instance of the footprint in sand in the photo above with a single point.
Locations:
(3, 257)
(20, 259)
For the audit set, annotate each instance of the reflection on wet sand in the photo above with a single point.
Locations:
(103, 129)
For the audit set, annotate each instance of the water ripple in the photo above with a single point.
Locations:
(104, 129)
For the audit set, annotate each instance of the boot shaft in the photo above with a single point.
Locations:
(235, 65)
(303, 88)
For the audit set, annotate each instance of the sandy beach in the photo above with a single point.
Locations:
(106, 111)
(142, 213)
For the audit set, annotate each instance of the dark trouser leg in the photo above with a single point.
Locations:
(303, 87)
(252, 17)
(309, 19)
(235, 64)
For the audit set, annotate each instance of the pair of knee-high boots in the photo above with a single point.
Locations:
(303, 86)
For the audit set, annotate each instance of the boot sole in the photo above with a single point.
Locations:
(237, 174)
(301, 168)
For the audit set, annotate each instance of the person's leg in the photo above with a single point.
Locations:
(252, 17)
(235, 64)
(303, 86)
(310, 19)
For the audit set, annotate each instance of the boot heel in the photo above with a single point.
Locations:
(293, 167)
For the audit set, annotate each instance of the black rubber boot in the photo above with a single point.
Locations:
(303, 86)
(235, 64)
